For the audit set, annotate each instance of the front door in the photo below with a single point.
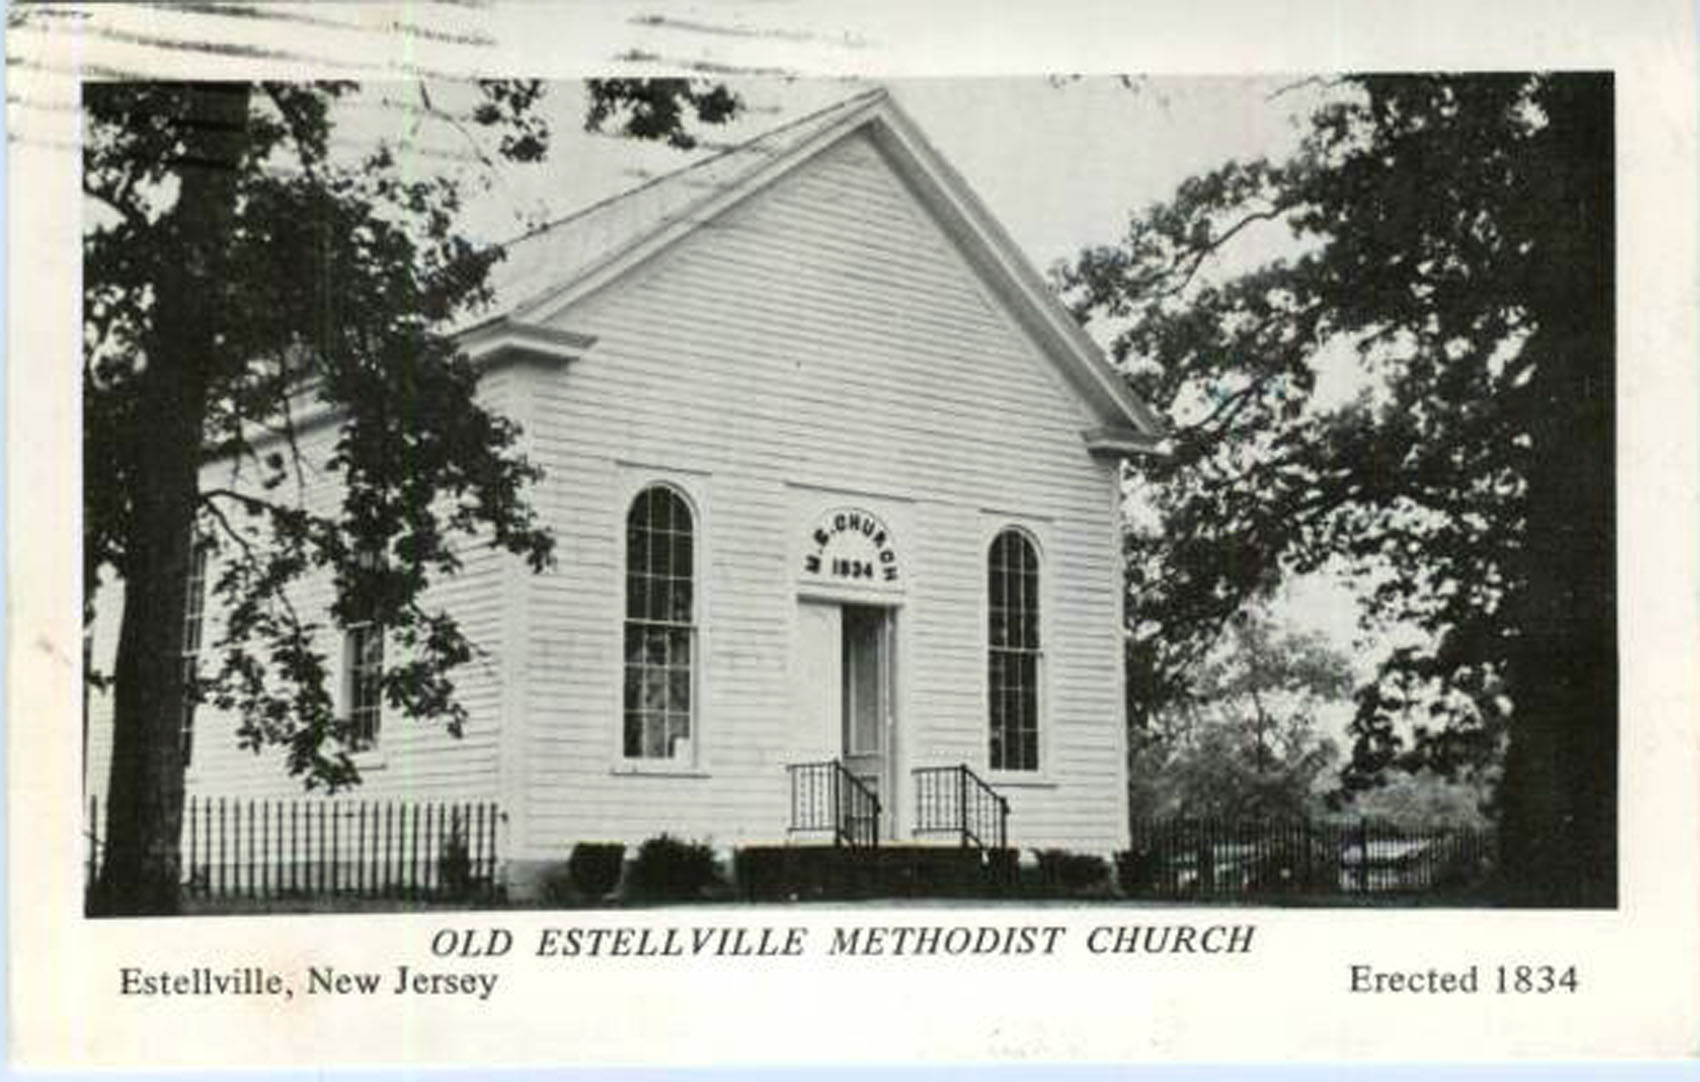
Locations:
(842, 693)
(865, 701)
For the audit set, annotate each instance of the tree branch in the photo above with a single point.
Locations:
(134, 218)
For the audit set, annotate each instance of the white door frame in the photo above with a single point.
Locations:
(895, 795)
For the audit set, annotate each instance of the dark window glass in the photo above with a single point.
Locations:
(364, 661)
(1013, 652)
(365, 682)
(660, 627)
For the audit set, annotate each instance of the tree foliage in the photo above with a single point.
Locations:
(1449, 240)
(1422, 800)
(659, 108)
(243, 273)
(1246, 741)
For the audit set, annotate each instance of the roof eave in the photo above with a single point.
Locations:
(504, 340)
(1114, 442)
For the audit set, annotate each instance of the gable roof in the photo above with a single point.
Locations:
(550, 268)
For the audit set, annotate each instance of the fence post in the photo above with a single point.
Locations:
(475, 832)
(1363, 855)
(359, 862)
(221, 847)
(413, 851)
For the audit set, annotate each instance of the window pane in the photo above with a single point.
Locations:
(679, 690)
(660, 509)
(679, 648)
(654, 738)
(633, 686)
(654, 689)
(657, 608)
(634, 734)
(372, 651)
(682, 555)
(680, 612)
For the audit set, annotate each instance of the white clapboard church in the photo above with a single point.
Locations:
(835, 481)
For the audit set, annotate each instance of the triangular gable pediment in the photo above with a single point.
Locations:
(548, 272)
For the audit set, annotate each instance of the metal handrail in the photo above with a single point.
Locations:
(827, 797)
(955, 800)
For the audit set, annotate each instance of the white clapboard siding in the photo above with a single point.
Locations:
(414, 760)
(823, 333)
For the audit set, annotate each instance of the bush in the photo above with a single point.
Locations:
(1063, 872)
(669, 869)
(1136, 870)
(594, 868)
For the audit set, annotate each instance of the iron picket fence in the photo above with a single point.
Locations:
(236, 848)
(1205, 857)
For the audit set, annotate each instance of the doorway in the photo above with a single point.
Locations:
(844, 693)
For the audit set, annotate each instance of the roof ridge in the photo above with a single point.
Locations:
(843, 104)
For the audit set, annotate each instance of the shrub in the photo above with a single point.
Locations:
(1063, 872)
(1136, 870)
(669, 869)
(594, 868)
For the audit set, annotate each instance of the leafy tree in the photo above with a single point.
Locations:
(1244, 742)
(236, 271)
(1423, 799)
(1451, 237)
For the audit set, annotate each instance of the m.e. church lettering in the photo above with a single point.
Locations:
(851, 545)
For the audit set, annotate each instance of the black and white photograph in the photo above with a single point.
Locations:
(771, 527)
(534, 520)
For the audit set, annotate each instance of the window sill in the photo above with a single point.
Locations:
(657, 770)
(1020, 781)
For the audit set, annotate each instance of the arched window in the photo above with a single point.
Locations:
(1013, 651)
(660, 645)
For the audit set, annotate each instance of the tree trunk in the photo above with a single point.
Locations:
(1559, 826)
(140, 871)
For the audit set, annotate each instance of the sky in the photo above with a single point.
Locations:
(1060, 163)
